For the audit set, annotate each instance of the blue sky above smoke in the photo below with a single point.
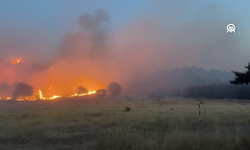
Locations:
(56, 17)
(59, 16)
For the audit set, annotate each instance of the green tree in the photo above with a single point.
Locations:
(242, 77)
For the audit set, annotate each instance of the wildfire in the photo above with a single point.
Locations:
(40, 94)
(58, 96)
(49, 98)
(83, 94)
(20, 99)
(17, 61)
(6, 98)
(52, 97)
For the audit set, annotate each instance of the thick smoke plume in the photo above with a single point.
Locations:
(94, 56)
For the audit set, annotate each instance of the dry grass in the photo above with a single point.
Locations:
(103, 124)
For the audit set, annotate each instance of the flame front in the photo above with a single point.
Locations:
(41, 97)
(58, 96)
(83, 94)
(49, 98)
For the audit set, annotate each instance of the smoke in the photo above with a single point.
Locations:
(93, 22)
(176, 38)
(169, 38)
(84, 58)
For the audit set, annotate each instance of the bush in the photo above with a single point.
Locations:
(127, 109)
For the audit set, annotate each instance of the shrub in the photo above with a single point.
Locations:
(127, 109)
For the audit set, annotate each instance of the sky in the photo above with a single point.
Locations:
(57, 17)
(53, 18)
(74, 39)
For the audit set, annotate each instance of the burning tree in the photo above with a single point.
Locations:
(114, 88)
(22, 89)
(81, 90)
(242, 77)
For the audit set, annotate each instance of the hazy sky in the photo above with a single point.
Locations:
(56, 17)
(53, 18)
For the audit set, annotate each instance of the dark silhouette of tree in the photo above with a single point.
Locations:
(242, 77)
(5, 90)
(114, 88)
(22, 89)
(81, 90)
(101, 92)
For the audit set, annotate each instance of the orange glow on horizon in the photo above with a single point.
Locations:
(54, 80)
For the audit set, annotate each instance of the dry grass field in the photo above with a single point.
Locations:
(92, 123)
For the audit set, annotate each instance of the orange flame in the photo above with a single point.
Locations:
(40, 94)
(49, 98)
(20, 99)
(83, 94)
(6, 98)
(17, 61)
(52, 97)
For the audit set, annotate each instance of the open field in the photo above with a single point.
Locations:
(103, 124)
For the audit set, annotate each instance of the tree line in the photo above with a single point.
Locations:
(234, 89)
(23, 90)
